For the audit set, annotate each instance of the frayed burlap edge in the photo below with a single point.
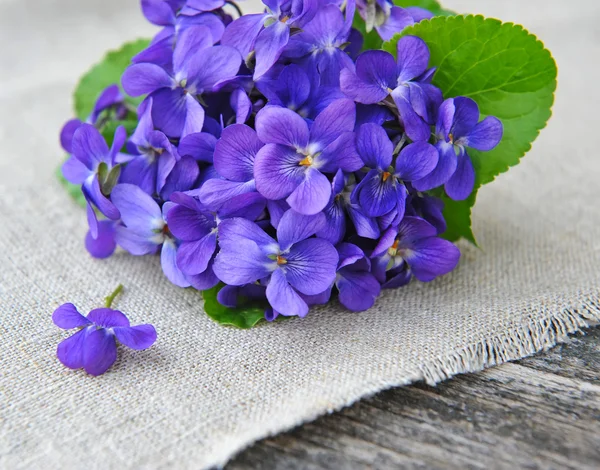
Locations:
(522, 341)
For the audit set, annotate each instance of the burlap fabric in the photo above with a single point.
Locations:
(204, 392)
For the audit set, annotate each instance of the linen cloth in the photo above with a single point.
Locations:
(203, 392)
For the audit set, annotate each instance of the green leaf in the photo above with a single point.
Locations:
(510, 75)
(107, 72)
(108, 130)
(242, 317)
(432, 5)
(73, 189)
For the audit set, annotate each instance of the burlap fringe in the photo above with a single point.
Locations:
(538, 335)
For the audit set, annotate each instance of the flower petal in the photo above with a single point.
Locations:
(142, 79)
(375, 73)
(277, 171)
(194, 116)
(134, 243)
(269, 46)
(413, 58)
(376, 196)
(67, 316)
(139, 211)
(214, 64)
(466, 117)
(242, 33)
(189, 43)
(416, 128)
(443, 171)
(338, 117)
(89, 147)
(486, 135)
(107, 317)
(432, 257)
(100, 352)
(416, 161)
(136, 337)
(193, 257)
(283, 298)
(200, 146)
(275, 125)
(168, 261)
(169, 111)
(461, 184)
(182, 177)
(294, 227)
(242, 263)
(311, 266)
(312, 194)
(190, 223)
(235, 153)
(70, 350)
(104, 244)
(217, 192)
(75, 171)
(66, 134)
(358, 290)
(374, 146)
(398, 20)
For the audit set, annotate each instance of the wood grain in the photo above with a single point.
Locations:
(539, 413)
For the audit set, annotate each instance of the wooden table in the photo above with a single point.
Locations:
(540, 412)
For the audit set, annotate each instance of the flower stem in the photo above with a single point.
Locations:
(108, 301)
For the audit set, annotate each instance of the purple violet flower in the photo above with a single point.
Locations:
(197, 68)
(383, 188)
(379, 77)
(384, 16)
(357, 286)
(293, 162)
(94, 346)
(145, 230)
(294, 264)
(93, 166)
(269, 33)
(458, 127)
(412, 248)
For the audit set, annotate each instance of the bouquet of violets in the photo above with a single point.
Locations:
(319, 148)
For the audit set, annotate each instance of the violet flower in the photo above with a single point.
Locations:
(197, 68)
(358, 288)
(383, 188)
(293, 162)
(384, 16)
(269, 33)
(458, 127)
(94, 346)
(412, 248)
(294, 264)
(378, 76)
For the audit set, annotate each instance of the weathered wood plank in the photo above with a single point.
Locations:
(541, 412)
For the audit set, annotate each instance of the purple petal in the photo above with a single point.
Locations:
(443, 171)
(432, 257)
(419, 14)
(213, 65)
(292, 87)
(182, 178)
(169, 110)
(415, 127)
(92, 219)
(107, 317)
(91, 190)
(398, 277)
(335, 227)
(75, 171)
(134, 243)
(89, 146)
(461, 184)
(378, 197)
(104, 244)
(283, 298)
(200, 146)
(67, 316)
(413, 58)
(374, 146)
(312, 194)
(275, 125)
(189, 43)
(242, 33)
(136, 337)
(276, 211)
(100, 352)
(358, 290)
(337, 118)
(109, 97)
(311, 266)
(168, 261)
(234, 231)
(466, 117)
(445, 119)
(486, 135)
(341, 154)
(277, 171)
(70, 350)
(141, 172)
(142, 79)
(66, 134)
(217, 192)
(398, 20)
(385, 242)
(138, 210)
(235, 153)
(269, 46)
(204, 281)
(159, 53)
(413, 229)
(194, 116)
(375, 74)
(193, 257)
(242, 263)
(349, 254)
(294, 227)
(190, 224)
(365, 226)
(241, 105)
(416, 161)
(158, 12)
(205, 5)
